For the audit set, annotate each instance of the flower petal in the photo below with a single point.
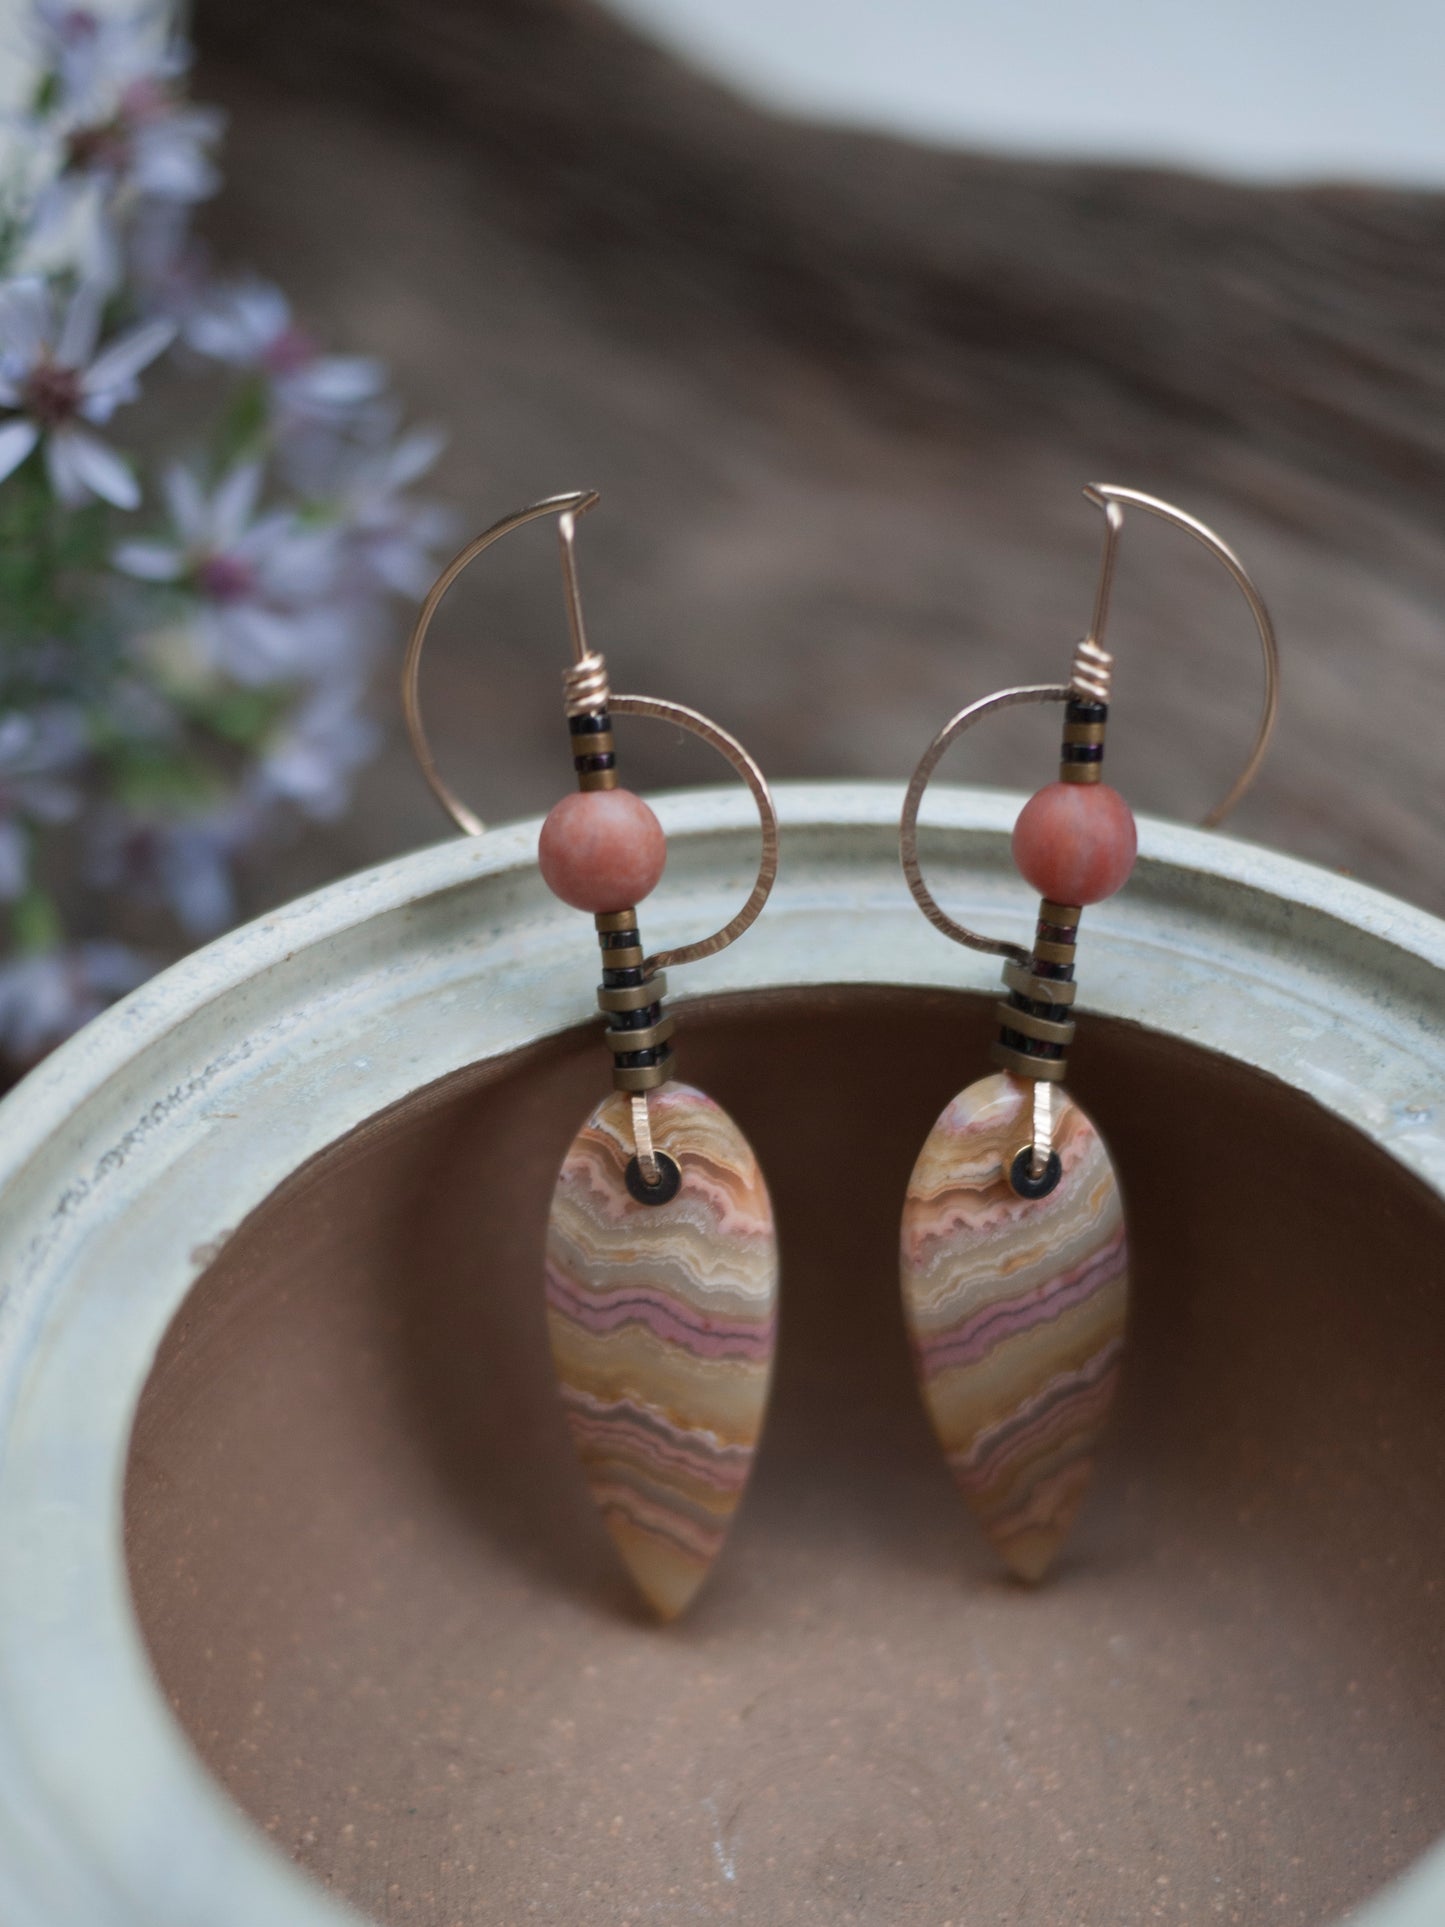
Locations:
(187, 504)
(81, 327)
(237, 322)
(413, 456)
(400, 565)
(150, 561)
(125, 357)
(82, 465)
(14, 859)
(26, 319)
(169, 158)
(296, 565)
(337, 381)
(16, 441)
(234, 503)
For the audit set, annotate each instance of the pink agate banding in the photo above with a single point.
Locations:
(1016, 1311)
(663, 1322)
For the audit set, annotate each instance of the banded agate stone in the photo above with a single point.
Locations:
(662, 1320)
(1016, 1311)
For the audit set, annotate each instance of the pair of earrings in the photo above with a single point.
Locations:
(662, 1258)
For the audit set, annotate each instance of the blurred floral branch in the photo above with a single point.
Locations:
(187, 635)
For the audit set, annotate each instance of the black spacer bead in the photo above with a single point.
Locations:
(634, 1019)
(1082, 753)
(1030, 1046)
(1021, 1176)
(636, 1060)
(606, 760)
(1082, 712)
(622, 979)
(1056, 1013)
(595, 725)
(669, 1180)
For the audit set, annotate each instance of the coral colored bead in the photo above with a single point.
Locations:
(1076, 842)
(601, 850)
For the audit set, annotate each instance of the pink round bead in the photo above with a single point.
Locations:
(1076, 842)
(601, 850)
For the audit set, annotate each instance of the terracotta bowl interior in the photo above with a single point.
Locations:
(384, 1613)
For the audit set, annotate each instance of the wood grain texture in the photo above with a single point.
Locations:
(840, 393)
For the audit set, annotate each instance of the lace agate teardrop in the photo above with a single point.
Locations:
(662, 1319)
(1015, 1307)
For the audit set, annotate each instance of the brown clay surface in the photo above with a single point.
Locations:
(384, 1613)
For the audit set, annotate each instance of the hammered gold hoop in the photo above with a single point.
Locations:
(567, 508)
(1090, 681)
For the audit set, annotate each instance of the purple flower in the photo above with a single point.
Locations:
(249, 324)
(153, 146)
(95, 53)
(53, 381)
(229, 677)
(49, 994)
(119, 137)
(393, 540)
(36, 752)
(181, 864)
(263, 584)
(312, 760)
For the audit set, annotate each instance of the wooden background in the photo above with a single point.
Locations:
(840, 394)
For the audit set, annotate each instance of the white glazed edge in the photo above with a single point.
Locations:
(130, 1154)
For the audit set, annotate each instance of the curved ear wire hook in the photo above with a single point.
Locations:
(568, 507)
(589, 672)
(1112, 500)
(1090, 681)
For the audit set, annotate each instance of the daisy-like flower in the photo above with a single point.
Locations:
(312, 761)
(114, 132)
(152, 149)
(392, 540)
(46, 996)
(37, 752)
(55, 384)
(94, 54)
(185, 864)
(262, 583)
(249, 324)
(153, 144)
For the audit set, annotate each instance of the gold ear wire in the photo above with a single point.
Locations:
(587, 688)
(567, 506)
(1090, 681)
(1113, 499)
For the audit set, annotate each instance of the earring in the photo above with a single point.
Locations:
(662, 1263)
(1014, 1256)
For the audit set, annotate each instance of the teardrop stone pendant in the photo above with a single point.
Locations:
(1016, 1311)
(663, 1319)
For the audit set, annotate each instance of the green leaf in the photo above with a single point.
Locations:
(244, 717)
(35, 922)
(243, 427)
(161, 778)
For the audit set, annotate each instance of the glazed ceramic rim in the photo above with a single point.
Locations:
(122, 1172)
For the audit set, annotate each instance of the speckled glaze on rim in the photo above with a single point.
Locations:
(122, 1171)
